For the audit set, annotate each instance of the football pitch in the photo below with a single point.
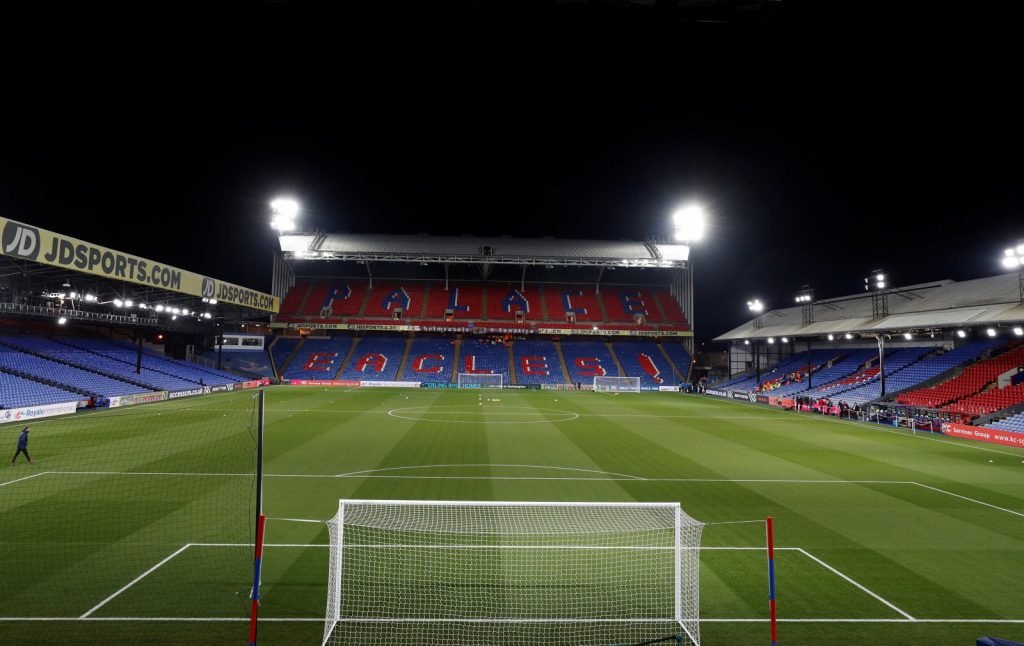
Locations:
(134, 526)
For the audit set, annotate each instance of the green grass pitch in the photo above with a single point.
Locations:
(134, 514)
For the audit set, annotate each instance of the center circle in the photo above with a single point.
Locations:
(482, 415)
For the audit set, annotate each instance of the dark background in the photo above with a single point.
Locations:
(824, 144)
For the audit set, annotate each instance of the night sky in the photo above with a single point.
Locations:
(821, 152)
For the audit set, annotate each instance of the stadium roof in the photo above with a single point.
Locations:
(941, 304)
(479, 250)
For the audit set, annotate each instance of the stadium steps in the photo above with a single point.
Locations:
(270, 354)
(543, 304)
(675, 369)
(600, 306)
(290, 357)
(615, 358)
(483, 303)
(305, 297)
(561, 359)
(366, 301)
(426, 299)
(48, 382)
(405, 356)
(458, 358)
(513, 378)
(348, 357)
(659, 307)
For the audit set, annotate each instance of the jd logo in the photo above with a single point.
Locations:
(208, 288)
(20, 240)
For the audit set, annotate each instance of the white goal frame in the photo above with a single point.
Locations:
(469, 380)
(442, 570)
(608, 384)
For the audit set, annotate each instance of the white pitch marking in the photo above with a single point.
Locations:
(956, 495)
(507, 466)
(135, 580)
(34, 475)
(849, 580)
(721, 620)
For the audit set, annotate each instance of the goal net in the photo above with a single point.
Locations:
(538, 574)
(472, 380)
(616, 384)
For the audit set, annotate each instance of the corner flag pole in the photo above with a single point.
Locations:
(261, 521)
(771, 579)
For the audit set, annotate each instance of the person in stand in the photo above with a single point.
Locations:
(22, 447)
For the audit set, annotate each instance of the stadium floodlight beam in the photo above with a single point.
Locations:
(755, 305)
(118, 302)
(689, 222)
(283, 211)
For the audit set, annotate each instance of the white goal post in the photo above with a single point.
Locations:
(478, 380)
(616, 384)
(517, 573)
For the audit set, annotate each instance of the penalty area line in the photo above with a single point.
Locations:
(135, 580)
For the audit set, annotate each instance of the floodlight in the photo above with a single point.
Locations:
(1011, 262)
(831, 337)
(184, 311)
(1019, 331)
(90, 298)
(991, 331)
(128, 303)
(62, 320)
(755, 305)
(73, 295)
(771, 339)
(206, 315)
(142, 306)
(908, 336)
(174, 318)
(1009, 252)
(595, 328)
(213, 301)
(746, 341)
(880, 278)
(175, 310)
(159, 308)
(785, 339)
(118, 302)
(881, 284)
(848, 336)
(689, 222)
(283, 213)
(1020, 250)
(961, 333)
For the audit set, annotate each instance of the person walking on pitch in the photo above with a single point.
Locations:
(22, 446)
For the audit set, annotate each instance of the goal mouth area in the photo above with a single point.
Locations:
(510, 572)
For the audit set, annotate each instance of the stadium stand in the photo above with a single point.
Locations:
(680, 357)
(645, 360)
(293, 299)
(430, 359)
(126, 352)
(776, 376)
(1013, 423)
(969, 382)
(869, 389)
(578, 300)
(673, 311)
(342, 297)
(384, 300)
(17, 392)
(100, 363)
(376, 358)
(537, 363)
(484, 357)
(588, 359)
(48, 370)
(282, 350)
(623, 304)
(504, 300)
(466, 301)
(849, 364)
(319, 358)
